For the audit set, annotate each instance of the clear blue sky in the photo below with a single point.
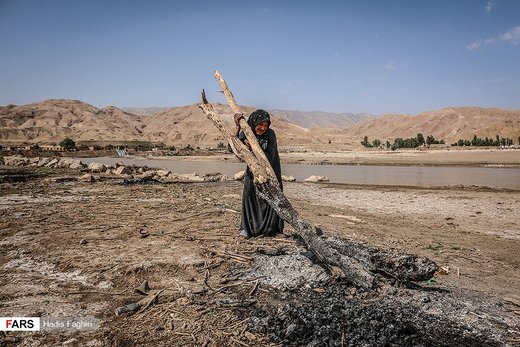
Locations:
(378, 57)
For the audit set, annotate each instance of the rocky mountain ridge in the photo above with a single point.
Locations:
(52, 120)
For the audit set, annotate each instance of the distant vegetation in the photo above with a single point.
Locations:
(67, 144)
(419, 140)
(399, 142)
(476, 141)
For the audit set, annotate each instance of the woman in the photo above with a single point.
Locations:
(258, 218)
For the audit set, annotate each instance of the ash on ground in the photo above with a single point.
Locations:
(340, 316)
(306, 307)
(286, 271)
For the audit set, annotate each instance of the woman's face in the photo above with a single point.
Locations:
(261, 128)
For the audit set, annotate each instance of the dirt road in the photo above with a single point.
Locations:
(77, 249)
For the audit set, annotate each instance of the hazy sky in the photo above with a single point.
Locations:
(385, 56)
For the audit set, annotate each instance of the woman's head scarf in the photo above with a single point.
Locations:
(257, 117)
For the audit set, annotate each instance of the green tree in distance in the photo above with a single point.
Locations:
(365, 142)
(420, 139)
(67, 143)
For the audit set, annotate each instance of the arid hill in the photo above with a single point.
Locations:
(50, 121)
(450, 124)
(318, 119)
(188, 125)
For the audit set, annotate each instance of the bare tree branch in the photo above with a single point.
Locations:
(255, 146)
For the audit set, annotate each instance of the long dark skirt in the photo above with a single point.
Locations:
(258, 218)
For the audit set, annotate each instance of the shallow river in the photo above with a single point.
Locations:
(351, 174)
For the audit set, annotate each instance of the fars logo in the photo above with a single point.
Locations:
(20, 323)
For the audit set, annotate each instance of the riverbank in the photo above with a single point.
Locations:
(492, 176)
(494, 157)
(426, 157)
(74, 248)
(452, 156)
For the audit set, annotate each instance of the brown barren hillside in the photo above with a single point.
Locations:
(52, 120)
(188, 125)
(318, 119)
(450, 124)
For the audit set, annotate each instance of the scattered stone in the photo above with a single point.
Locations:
(239, 176)
(162, 173)
(15, 160)
(288, 178)
(43, 162)
(121, 170)
(315, 179)
(148, 175)
(97, 167)
(75, 166)
(87, 178)
(215, 177)
(67, 162)
(53, 163)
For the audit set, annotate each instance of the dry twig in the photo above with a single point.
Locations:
(253, 290)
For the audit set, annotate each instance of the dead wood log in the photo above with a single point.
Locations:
(357, 272)
(255, 146)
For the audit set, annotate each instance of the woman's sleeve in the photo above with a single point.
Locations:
(272, 146)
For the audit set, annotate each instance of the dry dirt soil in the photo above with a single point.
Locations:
(78, 249)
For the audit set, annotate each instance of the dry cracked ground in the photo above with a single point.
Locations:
(78, 249)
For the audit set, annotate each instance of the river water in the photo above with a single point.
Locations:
(351, 174)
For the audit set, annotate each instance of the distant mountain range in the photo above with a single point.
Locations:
(318, 119)
(306, 119)
(52, 120)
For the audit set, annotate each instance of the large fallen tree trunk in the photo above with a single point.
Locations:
(357, 265)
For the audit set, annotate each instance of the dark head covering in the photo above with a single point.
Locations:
(257, 117)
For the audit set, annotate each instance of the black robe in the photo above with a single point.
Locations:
(258, 218)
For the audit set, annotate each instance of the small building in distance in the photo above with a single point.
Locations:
(52, 148)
